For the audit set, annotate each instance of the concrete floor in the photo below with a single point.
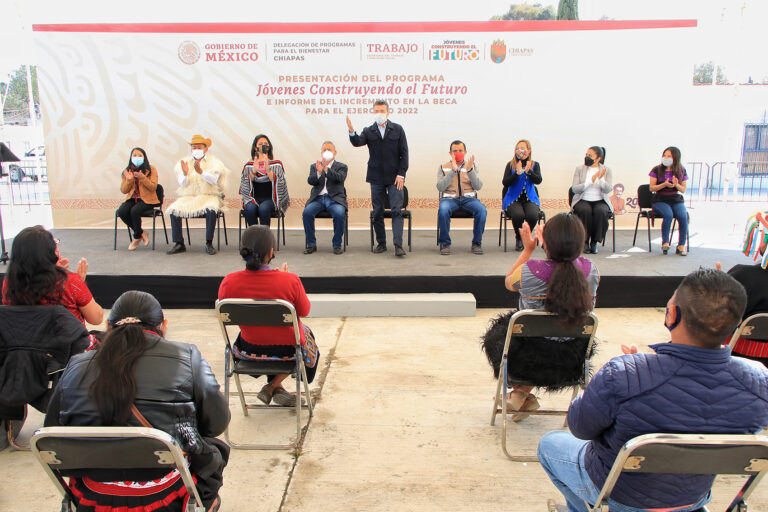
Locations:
(402, 423)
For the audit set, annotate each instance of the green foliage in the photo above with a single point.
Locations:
(17, 101)
(527, 12)
(702, 74)
(568, 10)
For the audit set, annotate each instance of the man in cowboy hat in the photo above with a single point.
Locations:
(201, 178)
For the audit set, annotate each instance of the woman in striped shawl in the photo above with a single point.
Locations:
(263, 188)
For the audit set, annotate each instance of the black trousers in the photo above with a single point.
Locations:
(520, 211)
(131, 211)
(594, 215)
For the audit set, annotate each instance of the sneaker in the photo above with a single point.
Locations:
(593, 248)
(338, 250)
(134, 244)
(210, 249)
(445, 249)
(283, 398)
(477, 249)
(177, 248)
(310, 250)
(519, 244)
(399, 251)
(380, 249)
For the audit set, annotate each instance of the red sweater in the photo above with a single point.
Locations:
(267, 284)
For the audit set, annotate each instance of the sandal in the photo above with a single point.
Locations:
(664, 248)
(681, 250)
(265, 395)
(531, 404)
(515, 401)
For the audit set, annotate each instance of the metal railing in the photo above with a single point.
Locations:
(24, 185)
(727, 181)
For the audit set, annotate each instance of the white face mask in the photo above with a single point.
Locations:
(666, 162)
(380, 117)
(327, 156)
(197, 154)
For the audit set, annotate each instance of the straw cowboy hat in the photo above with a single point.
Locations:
(199, 139)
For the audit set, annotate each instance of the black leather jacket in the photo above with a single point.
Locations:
(176, 392)
(35, 344)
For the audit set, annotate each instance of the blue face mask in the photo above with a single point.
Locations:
(138, 161)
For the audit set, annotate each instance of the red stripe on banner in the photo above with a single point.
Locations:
(360, 27)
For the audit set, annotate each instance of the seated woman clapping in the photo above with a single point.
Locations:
(136, 377)
(260, 281)
(564, 284)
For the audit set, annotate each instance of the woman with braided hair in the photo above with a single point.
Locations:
(565, 284)
(136, 377)
(260, 281)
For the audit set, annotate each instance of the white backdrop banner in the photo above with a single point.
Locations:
(565, 86)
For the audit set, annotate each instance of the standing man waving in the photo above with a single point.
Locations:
(387, 165)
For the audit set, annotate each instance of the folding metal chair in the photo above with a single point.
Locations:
(107, 451)
(537, 323)
(262, 313)
(754, 327)
(701, 454)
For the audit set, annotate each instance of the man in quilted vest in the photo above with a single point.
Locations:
(458, 183)
(201, 178)
(690, 385)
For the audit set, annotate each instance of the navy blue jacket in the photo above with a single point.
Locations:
(332, 179)
(387, 157)
(680, 389)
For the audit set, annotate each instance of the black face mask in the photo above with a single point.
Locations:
(588, 161)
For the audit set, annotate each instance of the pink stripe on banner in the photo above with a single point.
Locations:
(360, 27)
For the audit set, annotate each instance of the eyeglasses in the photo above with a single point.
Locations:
(57, 241)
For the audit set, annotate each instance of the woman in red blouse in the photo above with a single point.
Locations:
(37, 275)
(260, 281)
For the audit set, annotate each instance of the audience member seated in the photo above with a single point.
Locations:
(36, 342)
(260, 281)
(754, 279)
(328, 194)
(138, 378)
(565, 284)
(202, 181)
(37, 274)
(263, 188)
(519, 198)
(458, 183)
(690, 385)
(139, 181)
(592, 182)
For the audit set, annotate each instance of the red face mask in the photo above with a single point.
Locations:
(459, 156)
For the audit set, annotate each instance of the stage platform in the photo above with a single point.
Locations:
(631, 277)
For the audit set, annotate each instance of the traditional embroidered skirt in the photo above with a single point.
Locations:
(167, 494)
